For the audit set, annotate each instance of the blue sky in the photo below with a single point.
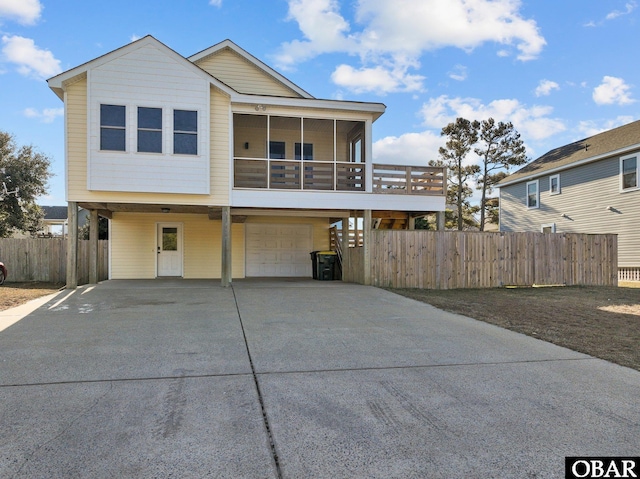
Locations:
(559, 70)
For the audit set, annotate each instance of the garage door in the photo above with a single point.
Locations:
(278, 250)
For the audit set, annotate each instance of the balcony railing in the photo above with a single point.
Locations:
(337, 176)
(409, 180)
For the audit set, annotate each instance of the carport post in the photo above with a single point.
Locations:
(345, 247)
(440, 220)
(93, 246)
(366, 236)
(226, 246)
(72, 245)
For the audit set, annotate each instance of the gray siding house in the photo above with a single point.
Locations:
(589, 186)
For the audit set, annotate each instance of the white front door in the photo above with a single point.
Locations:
(169, 250)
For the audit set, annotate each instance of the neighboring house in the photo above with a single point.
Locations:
(590, 186)
(216, 165)
(54, 222)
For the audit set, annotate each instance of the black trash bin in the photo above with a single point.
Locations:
(324, 264)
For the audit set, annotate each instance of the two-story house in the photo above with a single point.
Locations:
(589, 186)
(217, 166)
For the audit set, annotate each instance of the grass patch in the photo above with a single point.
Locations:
(15, 294)
(600, 321)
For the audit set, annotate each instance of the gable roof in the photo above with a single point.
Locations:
(57, 82)
(609, 143)
(305, 100)
(228, 44)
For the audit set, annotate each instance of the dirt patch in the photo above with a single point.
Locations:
(603, 322)
(15, 294)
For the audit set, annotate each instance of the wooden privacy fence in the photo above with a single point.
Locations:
(448, 260)
(45, 259)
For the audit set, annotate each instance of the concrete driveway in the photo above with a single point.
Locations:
(294, 379)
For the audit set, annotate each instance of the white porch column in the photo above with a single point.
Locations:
(226, 246)
(72, 246)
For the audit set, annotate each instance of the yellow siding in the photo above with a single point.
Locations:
(242, 76)
(320, 227)
(76, 116)
(219, 149)
(133, 245)
(76, 106)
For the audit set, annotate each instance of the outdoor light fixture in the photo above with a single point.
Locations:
(165, 210)
(246, 145)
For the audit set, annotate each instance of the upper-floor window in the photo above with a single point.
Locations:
(307, 153)
(533, 197)
(185, 132)
(554, 184)
(277, 150)
(629, 172)
(113, 127)
(149, 130)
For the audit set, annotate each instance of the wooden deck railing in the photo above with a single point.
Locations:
(409, 180)
(337, 176)
(295, 174)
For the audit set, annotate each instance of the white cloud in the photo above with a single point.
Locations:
(591, 127)
(611, 91)
(215, 3)
(377, 79)
(30, 60)
(533, 123)
(545, 87)
(629, 7)
(395, 34)
(134, 38)
(408, 149)
(459, 73)
(26, 12)
(48, 115)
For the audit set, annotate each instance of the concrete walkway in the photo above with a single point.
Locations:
(294, 379)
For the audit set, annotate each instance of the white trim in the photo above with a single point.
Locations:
(557, 169)
(628, 157)
(548, 225)
(551, 192)
(526, 194)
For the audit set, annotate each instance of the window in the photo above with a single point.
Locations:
(185, 132)
(532, 194)
(629, 172)
(112, 127)
(308, 151)
(554, 184)
(548, 228)
(277, 150)
(149, 130)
